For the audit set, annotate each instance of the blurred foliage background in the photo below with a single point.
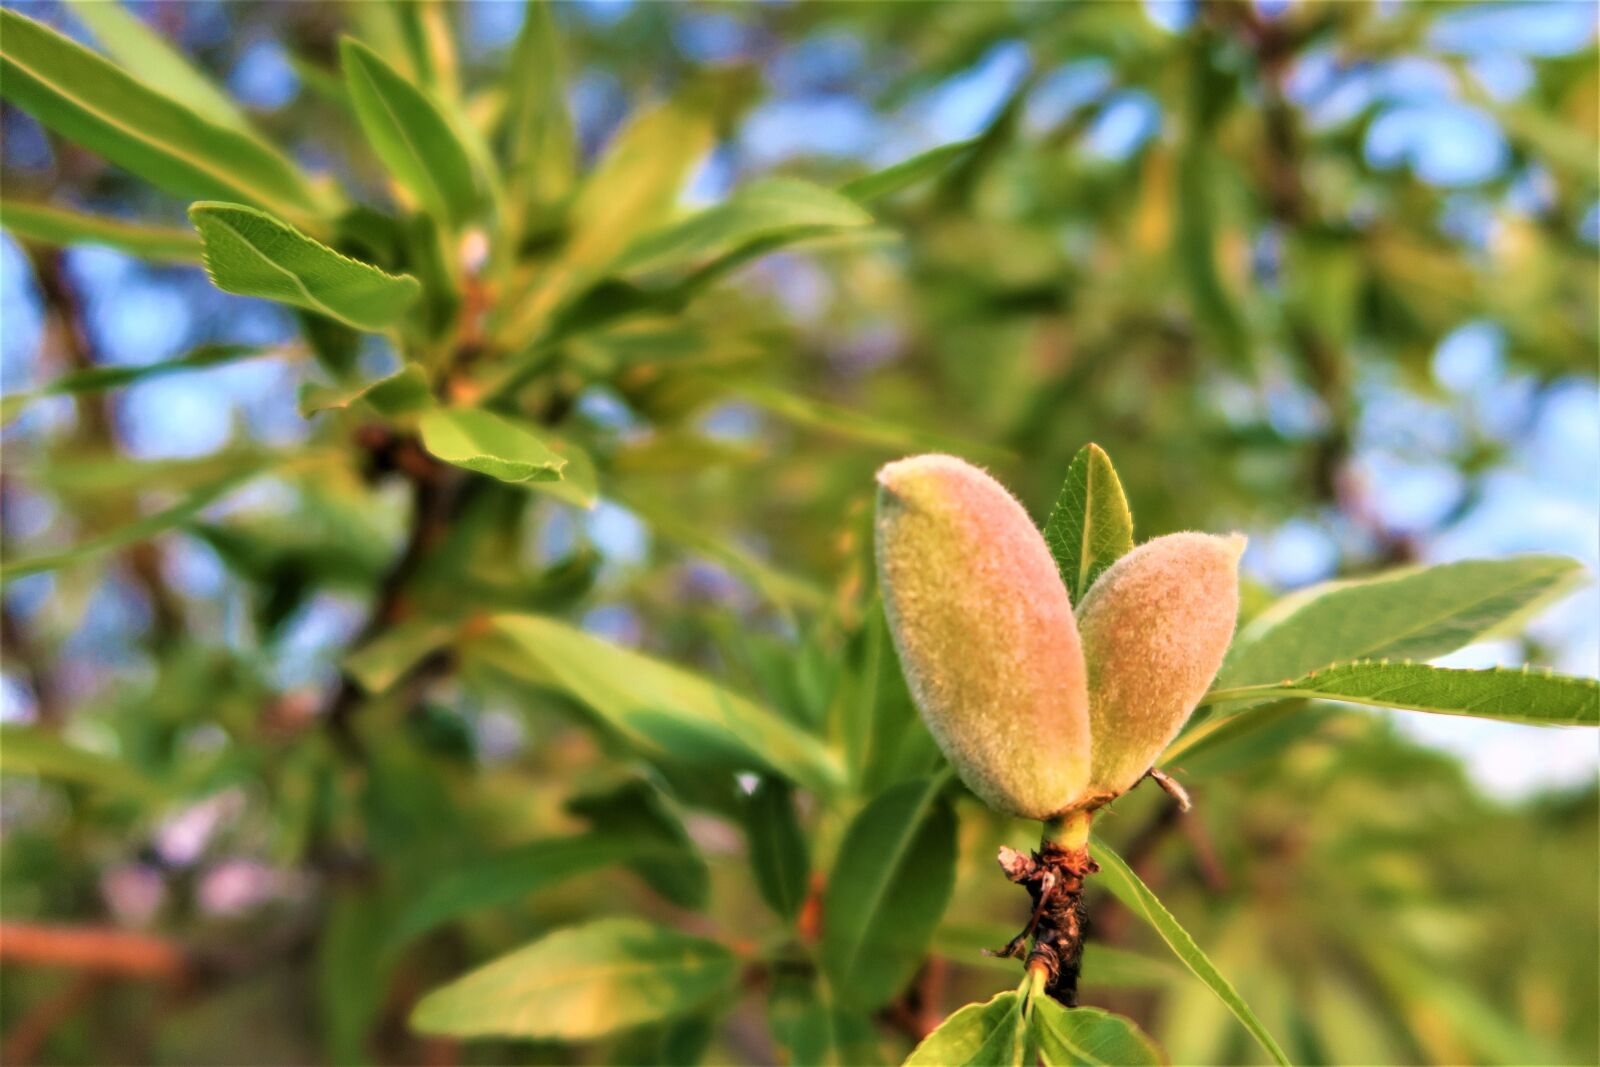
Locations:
(1322, 272)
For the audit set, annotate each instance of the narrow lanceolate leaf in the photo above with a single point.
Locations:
(1515, 695)
(410, 134)
(666, 710)
(1133, 893)
(59, 226)
(1418, 614)
(490, 444)
(542, 151)
(1088, 1037)
(130, 533)
(763, 211)
(1090, 527)
(908, 172)
(581, 983)
(991, 1034)
(146, 55)
(634, 188)
(253, 254)
(778, 851)
(888, 890)
(88, 100)
(100, 378)
(27, 750)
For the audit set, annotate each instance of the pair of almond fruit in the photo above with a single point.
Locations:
(1043, 710)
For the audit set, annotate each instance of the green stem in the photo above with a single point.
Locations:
(1069, 831)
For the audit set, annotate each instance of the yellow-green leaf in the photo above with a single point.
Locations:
(52, 225)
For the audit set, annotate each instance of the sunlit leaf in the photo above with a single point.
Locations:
(404, 392)
(53, 225)
(253, 254)
(908, 172)
(86, 99)
(146, 55)
(1514, 695)
(490, 444)
(1088, 1037)
(410, 134)
(991, 1034)
(582, 982)
(543, 149)
(1416, 614)
(31, 750)
(1126, 886)
(1090, 527)
(888, 890)
(666, 709)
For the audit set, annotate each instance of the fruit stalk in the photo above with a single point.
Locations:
(1054, 877)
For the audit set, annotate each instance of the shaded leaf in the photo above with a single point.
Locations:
(253, 254)
(543, 149)
(387, 658)
(582, 982)
(410, 134)
(888, 890)
(1090, 527)
(52, 225)
(1088, 1037)
(1514, 695)
(778, 849)
(88, 100)
(979, 1035)
(665, 709)
(814, 1029)
(1126, 887)
(130, 533)
(1417, 614)
(664, 854)
(491, 444)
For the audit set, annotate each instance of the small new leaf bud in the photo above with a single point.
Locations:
(985, 633)
(1155, 627)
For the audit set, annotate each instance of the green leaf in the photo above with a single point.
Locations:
(666, 710)
(888, 890)
(908, 172)
(405, 392)
(29, 750)
(130, 533)
(813, 1029)
(634, 187)
(978, 1035)
(1088, 1037)
(1416, 614)
(411, 135)
(146, 55)
(664, 854)
(764, 210)
(778, 850)
(387, 658)
(59, 226)
(85, 99)
(808, 413)
(100, 378)
(582, 982)
(491, 444)
(1126, 887)
(504, 878)
(1090, 527)
(253, 254)
(543, 150)
(1514, 695)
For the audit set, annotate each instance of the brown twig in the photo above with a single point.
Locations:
(27, 1037)
(96, 950)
